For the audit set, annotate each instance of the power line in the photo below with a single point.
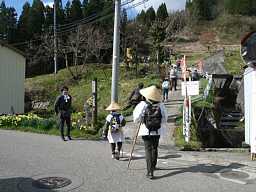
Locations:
(87, 23)
(88, 20)
(105, 16)
(77, 22)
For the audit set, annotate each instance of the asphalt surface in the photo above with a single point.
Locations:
(25, 157)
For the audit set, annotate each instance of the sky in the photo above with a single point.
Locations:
(171, 4)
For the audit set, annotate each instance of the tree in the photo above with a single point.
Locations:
(99, 44)
(202, 10)
(252, 8)
(23, 32)
(3, 20)
(157, 33)
(60, 13)
(78, 45)
(175, 23)
(76, 10)
(49, 16)
(243, 7)
(124, 20)
(150, 16)
(94, 7)
(136, 35)
(67, 12)
(162, 12)
(11, 24)
(8, 20)
(141, 18)
(36, 18)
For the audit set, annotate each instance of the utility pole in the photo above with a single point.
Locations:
(55, 37)
(116, 53)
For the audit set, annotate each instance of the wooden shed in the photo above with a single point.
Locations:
(12, 79)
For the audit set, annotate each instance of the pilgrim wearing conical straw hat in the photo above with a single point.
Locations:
(151, 93)
(113, 107)
(113, 129)
(152, 116)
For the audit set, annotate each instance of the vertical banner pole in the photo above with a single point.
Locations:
(186, 113)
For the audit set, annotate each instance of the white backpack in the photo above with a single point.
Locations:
(165, 85)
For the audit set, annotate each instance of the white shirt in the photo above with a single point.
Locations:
(137, 117)
(173, 73)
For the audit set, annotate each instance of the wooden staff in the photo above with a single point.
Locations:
(133, 145)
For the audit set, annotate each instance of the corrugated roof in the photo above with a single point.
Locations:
(12, 48)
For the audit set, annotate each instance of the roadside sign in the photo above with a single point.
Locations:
(192, 88)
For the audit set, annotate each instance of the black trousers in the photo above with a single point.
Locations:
(174, 84)
(65, 119)
(165, 94)
(151, 143)
(113, 147)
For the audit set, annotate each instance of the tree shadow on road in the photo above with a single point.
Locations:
(200, 168)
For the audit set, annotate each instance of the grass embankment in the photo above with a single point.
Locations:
(233, 62)
(81, 89)
(46, 88)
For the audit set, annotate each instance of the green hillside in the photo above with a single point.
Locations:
(46, 87)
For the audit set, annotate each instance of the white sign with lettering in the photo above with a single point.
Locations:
(192, 88)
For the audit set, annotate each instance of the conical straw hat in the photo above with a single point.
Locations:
(113, 107)
(151, 93)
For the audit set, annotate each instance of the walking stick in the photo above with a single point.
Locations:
(133, 145)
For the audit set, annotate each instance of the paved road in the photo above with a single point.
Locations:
(26, 157)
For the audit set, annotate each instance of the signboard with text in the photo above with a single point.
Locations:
(192, 88)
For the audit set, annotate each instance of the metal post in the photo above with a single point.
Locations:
(55, 38)
(94, 103)
(116, 52)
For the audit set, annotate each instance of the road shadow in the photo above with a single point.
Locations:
(15, 184)
(86, 139)
(133, 158)
(170, 156)
(200, 168)
(165, 157)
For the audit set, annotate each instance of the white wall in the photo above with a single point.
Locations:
(12, 79)
(250, 107)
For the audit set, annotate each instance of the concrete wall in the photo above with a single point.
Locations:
(12, 79)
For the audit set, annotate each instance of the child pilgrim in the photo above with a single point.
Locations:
(113, 129)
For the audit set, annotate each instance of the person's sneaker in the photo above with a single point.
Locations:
(118, 155)
(63, 139)
(113, 156)
(150, 175)
(69, 138)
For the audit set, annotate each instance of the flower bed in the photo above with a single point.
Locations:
(29, 120)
